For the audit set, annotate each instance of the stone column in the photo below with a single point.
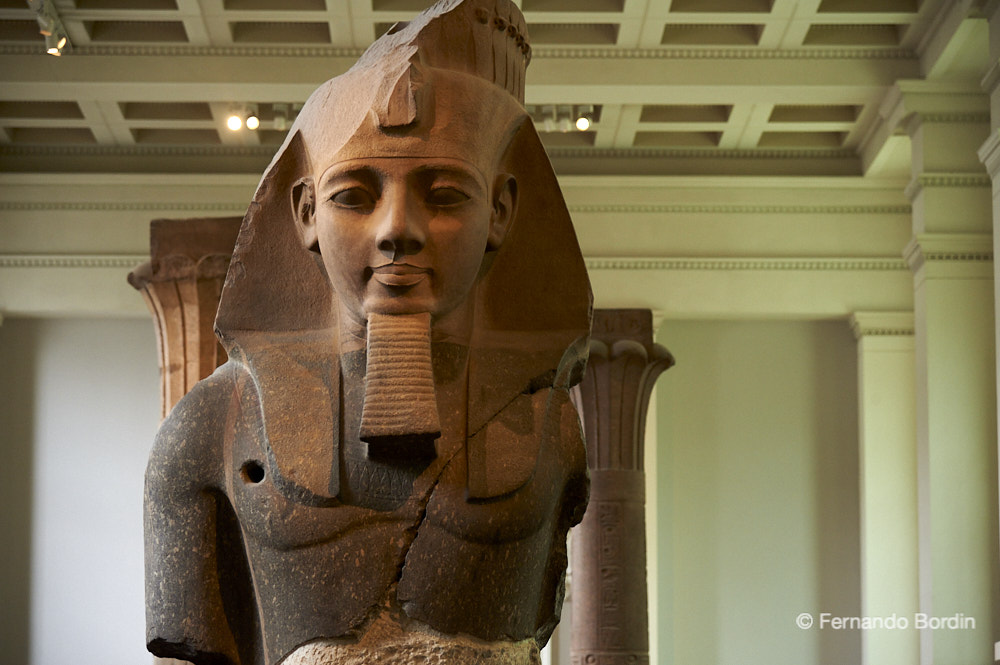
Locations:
(181, 285)
(989, 154)
(610, 625)
(950, 256)
(888, 483)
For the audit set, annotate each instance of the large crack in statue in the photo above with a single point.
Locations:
(386, 468)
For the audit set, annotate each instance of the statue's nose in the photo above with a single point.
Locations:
(401, 230)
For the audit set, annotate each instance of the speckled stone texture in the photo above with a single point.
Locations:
(415, 187)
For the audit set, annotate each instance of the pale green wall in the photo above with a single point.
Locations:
(757, 497)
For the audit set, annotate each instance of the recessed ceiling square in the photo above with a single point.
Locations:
(400, 5)
(126, 4)
(573, 33)
(573, 5)
(40, 110)
(827, 113)
(863, 6)
(827, 34)
(571, 139)
(20, 31)
(677, 139)
(801, 140)
(176, 136)
(246, 32)
(165, 110)
(50, 135)
(275, 5)
(684, 113)
(136, 31)
(711, 34)
(721, 6)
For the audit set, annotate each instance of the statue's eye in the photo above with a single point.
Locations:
(446, 196)
(355, 198)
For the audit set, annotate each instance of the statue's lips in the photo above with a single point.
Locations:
(399, 274)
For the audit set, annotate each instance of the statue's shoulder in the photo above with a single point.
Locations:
(189, 443)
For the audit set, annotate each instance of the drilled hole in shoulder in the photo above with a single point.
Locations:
(252, 472)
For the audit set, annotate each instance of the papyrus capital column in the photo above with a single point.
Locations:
(181, 285)
(610, 625)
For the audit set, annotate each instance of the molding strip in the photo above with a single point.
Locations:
(125, 261)
(129, 261)
(745, 209)
(945, 180)
(123, 205)
(665, 208)
(810, 264)
(553, 52)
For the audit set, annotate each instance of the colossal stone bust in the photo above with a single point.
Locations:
(386, 468)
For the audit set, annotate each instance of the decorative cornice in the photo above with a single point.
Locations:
(123, 205)
(129, 261)
(126, 261)
(178, 50)
(293, 51)
(759, 264)
(956, 117)
(624, 208)
(741, 209)
(715, 153)
(18, 150)
(267, 151)
(989, 154)
(948, 247)
(945, 180)
(882, 324)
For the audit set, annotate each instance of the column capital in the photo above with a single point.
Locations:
(930, 179)
(882, 324)
(960, 254)
(989, 154)
(909, 103)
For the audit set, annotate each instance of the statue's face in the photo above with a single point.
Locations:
(406, 235)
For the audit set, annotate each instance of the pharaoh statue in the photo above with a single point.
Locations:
(386, 468)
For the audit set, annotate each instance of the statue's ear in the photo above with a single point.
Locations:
(504, 209)
(303, 202)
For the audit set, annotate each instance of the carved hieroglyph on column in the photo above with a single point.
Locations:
(610, 624)
(181, 285)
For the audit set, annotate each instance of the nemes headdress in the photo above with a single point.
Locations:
(452, 75)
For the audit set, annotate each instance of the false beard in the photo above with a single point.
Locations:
(399, 419)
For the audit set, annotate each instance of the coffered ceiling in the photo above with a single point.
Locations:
(772, 87)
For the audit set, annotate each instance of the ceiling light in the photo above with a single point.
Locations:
(253, 120)
(584, 117)
(50, 26)
(234, 122)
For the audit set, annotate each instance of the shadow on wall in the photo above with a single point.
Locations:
(837, 487)
(18, 354)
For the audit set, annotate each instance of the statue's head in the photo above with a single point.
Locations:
(415, 183)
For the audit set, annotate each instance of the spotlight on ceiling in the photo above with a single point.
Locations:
(253, 120)
(50, 26)
(234, 122)
(584, 117)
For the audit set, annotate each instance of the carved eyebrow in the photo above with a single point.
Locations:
(365, 174)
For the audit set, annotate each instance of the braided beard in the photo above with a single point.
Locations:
(399, 419)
